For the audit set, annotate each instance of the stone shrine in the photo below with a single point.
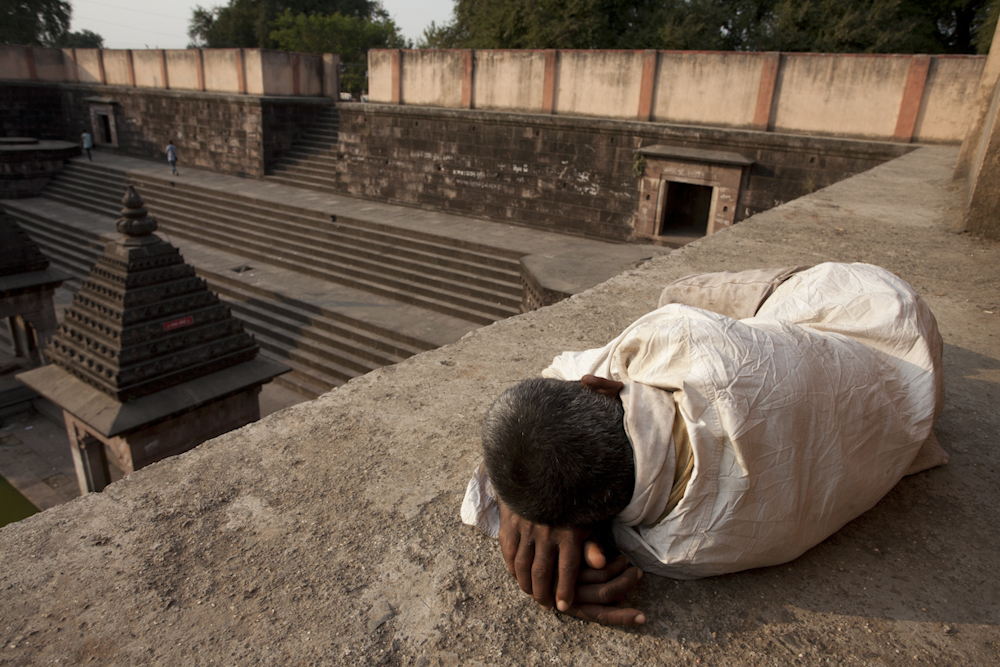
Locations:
(27, 284)
(147, 363)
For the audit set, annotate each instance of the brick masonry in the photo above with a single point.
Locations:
(231, 134)
(563, 173)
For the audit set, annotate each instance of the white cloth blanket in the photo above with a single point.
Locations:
(800, 418)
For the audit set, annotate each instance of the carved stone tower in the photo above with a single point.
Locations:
(147, 363)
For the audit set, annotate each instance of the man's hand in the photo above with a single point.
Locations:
(535, 553)
(601, 585)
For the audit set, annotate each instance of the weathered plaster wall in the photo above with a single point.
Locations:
(564, 173)
(116, 68)
(222, 71)
(245, 71)
(147, 69)
(879, 97)
(437, 82)
(506, 80)
(707, 88)
(598, 83)
(846, 96)
(182, 66)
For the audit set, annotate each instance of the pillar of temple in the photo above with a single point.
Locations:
(27, 284)
(147, 362)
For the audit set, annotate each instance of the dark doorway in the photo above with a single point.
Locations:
(685, 209)
(105, 129)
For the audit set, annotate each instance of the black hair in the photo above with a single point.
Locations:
(557, 453)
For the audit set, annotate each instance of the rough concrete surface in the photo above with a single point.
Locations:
(328, 533)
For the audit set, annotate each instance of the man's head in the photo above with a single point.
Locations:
(557, 453)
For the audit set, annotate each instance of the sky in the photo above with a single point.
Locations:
(162, 24)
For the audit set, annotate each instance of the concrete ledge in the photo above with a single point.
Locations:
(329, 534)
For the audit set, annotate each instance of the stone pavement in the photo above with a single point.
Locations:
(328, 533)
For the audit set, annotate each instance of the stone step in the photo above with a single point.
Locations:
(71, 249)
(308, 219)
(481, 313)
(460, 290)
(304, 353)
(490, 303)
(324, 247)
(319, 215)
(360, 338)
(311, 227)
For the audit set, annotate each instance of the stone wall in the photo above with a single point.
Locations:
(243, 71)
(880, 97)
(232, 134)
(566, 174)
(32, 111)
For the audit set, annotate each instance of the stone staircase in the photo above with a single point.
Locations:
(472, 282)
(325, 348)
(311, 161)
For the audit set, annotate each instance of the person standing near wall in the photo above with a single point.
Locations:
(172, 157)
(88, 144)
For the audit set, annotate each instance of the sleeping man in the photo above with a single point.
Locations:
(741, 423)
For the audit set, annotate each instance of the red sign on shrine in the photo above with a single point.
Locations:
(177, 324)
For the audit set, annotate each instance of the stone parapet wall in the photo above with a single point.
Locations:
(904, 98)
(232, 134)
(566, 174)
(235, 71)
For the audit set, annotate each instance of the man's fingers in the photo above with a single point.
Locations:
(604, 615)
(607, 573)
(569, 568)
(541, 577)
(509, 536)
(509, 545)
(522, 564)
(593, 555)
(610, 592)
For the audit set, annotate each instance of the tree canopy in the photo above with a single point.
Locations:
(84, 39)
(249, 23)
(33, 22)
(833, 26)
(348, 36)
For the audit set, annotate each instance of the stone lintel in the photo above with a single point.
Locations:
(100, 99)
(109, 417)
(694, 155)
(33, 280)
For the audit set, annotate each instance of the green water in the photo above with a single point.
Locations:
(13, 506)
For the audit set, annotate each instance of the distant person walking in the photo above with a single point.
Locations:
(172, 157)
(88, 143)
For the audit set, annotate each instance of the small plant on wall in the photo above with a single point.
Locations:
(638, 165)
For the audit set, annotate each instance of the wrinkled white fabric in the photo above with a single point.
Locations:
(479, 507)
(800, 419)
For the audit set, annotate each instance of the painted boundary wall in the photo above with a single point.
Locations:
(902, 98)
(233, 71)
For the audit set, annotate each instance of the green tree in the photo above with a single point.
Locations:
(987, 26)
(84, 39)
(33, 22)
(859, 26)
(349, 36)
(248, 23)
